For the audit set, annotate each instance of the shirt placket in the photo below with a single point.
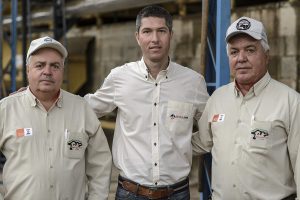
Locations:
(155, 128)
(49, 149)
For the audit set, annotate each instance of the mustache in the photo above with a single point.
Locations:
(47, 78)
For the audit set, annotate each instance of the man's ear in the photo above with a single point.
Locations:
(137, 37)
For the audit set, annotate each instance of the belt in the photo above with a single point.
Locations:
(152, 192)
(291, 197)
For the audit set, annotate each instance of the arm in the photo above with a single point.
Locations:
(102, 101)
(202, 140)
(293, 141)
(1, 133)
(98, 166)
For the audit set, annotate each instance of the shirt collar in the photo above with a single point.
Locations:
(144, 69)
(34, 101)
(257, 87)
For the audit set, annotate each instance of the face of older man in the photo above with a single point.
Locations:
(247, 59)
(45, 72)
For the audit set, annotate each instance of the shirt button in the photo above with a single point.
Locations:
(154, 143)
(50, 149)
(155, 104)
(239, 121)
(48, 131)
(154, 124)
(155, 183)
(232, 162)
(51, 166)
(146, 76)
(155, 164)
(51, 186)
(234, 185)
(156, 84)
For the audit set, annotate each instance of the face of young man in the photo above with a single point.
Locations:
(247, 59)
(45, 71)
(154, 39)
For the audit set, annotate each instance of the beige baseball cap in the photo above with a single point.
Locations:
(248, 26)
(46, 42)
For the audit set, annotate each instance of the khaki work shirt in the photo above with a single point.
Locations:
(152, 139)
(54, 155)
(254, 141)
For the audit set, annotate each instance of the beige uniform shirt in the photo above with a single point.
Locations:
(152, 140)
(253, 139)
(54, 155)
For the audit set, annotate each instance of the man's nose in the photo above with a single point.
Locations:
(47, 70)
(242, 56)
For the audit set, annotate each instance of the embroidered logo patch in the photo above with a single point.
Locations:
(75, 144)
(243, 24)
(173, 116)
(259, 134)
(218, 118)
(21, 132)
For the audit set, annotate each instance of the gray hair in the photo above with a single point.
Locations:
(154, 11)
(263, 43)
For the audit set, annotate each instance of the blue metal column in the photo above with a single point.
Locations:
(223, 21)
(13, 41)
(1, 48)
(217, 71)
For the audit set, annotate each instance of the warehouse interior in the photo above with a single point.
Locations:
(99, 35)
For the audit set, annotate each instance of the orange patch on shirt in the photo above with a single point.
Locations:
(215, 118)
(20, 132)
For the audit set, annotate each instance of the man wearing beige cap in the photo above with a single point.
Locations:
(54, 145)
(251, 125)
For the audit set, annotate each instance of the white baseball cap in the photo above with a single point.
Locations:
(46, 42)
(248, 26)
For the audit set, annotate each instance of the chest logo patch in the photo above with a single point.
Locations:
(218, 118)
(259, 134)
(75, 144)
(21, 132)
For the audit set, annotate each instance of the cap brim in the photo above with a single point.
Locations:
(57, 47)
(252, 34)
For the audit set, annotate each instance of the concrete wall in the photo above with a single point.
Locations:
(282, 24)
(116, 44)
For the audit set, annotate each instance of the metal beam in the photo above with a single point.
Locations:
(13, 41)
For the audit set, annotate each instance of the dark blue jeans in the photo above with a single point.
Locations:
(123, 194)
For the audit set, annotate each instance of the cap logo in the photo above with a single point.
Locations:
(47, 40)
(243, 24)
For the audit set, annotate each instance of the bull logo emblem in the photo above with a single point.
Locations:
(259, 134)
(75, 144)
(243, 24)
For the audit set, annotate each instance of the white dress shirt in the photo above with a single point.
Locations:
(152, 139)
(254, 139)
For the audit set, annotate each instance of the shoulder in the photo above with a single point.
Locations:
(282, 90)
(12, 99)
(124, 68)
(223, 91)
(180, 70)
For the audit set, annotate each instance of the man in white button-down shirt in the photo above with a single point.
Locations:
(157, 101)
(251, 125)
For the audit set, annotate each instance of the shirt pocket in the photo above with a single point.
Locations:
(75, 144)
(260, 134)
(179, 117)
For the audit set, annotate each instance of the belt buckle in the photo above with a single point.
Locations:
(161, 193)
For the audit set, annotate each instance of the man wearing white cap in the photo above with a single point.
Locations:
(54, 145)
(251, 125)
